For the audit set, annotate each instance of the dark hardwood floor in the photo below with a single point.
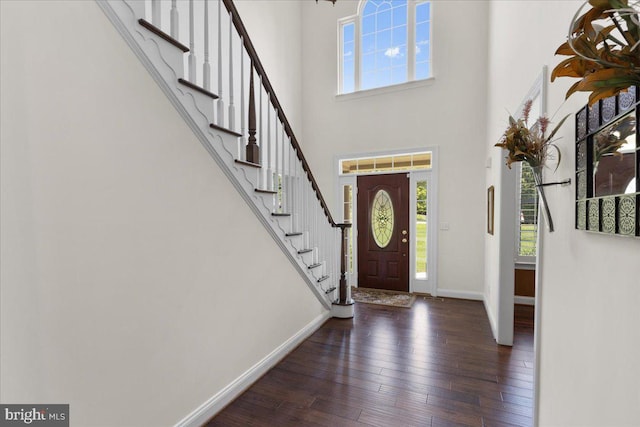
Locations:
(435, 364)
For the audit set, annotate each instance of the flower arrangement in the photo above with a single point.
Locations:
(612, 138)
(531, 145)
(603, 47)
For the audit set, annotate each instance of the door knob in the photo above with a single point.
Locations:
(404, 232)
(404, 240)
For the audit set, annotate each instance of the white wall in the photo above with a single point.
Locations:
(447, 112)
(275, 27)
(135, 281)
(589, 290)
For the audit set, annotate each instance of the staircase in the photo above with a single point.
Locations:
(231, 107)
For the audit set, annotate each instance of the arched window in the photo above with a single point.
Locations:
(375, 44)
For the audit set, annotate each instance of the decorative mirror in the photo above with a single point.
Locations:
(608, 166)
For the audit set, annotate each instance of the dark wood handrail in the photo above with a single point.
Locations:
(253, 55)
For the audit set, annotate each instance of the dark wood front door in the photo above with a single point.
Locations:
(383, 232)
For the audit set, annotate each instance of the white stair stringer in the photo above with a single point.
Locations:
(165, 64)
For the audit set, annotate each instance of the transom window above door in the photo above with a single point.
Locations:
(387, 43)
(386, 164)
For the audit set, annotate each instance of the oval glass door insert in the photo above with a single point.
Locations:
(382, 218)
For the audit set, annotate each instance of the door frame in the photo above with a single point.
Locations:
(430, 284)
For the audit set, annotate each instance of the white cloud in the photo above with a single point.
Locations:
(423, 42)
(393, 52)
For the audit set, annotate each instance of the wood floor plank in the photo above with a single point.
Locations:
(435, 364)
(386, 417)
(512, 408)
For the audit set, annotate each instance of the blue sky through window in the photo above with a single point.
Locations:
(381, 45)
(423, 41)
(348, 58)
(384, 43)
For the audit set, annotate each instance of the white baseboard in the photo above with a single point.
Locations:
(524, 300)
(446, 293)
(225, 396)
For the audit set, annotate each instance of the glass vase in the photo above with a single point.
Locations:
(537, 176)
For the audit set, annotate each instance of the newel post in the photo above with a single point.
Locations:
(343, 306)
(253, 151)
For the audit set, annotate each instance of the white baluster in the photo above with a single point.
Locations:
(156, 16)
(310, 216)
(321, 242)
(261, 142)
(337, 250)
(270, 178)
(175, 19)
(232, 111)
(283, 150)
(296, 200)
(300, 196)
(312, 213)
(314, 226)
(306, 212)
(220, 91)
(278, 166)
(276, 160)
(192, 50)
(312, 222)
(206, 68)
(242, 108)
(290, 194)
(334, 246)
(309, 208)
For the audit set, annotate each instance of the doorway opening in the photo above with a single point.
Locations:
(390, 199)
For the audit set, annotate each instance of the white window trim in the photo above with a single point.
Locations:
(537, 91)
(385, 89)
(522, 259)
(411, 53)
(356, 51)
(427, 285)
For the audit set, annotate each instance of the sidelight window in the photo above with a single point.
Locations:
(421, 230)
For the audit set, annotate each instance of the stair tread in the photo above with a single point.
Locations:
(258, 190)
(295, 233)
(314, 265)
(322, 279)
(280, 214)
(253, 165)
(195, 87)
(157, 31)
(304, 251)
(223, 129)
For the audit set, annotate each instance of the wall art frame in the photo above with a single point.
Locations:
(490, 209)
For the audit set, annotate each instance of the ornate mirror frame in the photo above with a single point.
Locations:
(607, 166)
